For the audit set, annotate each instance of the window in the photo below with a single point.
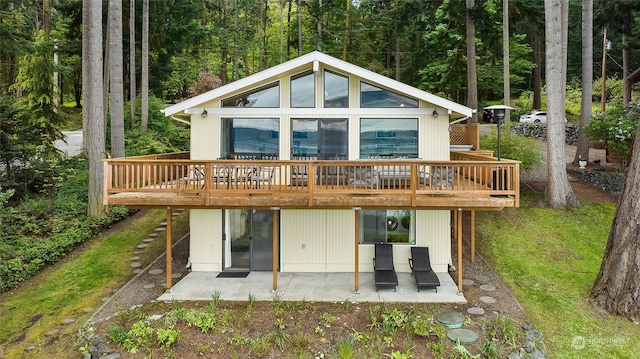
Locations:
(387, 226)
(303, 90)
(265, 96)
(388, 137)
(373, 96)
(324, 139)
(250, 137)
(336, 90)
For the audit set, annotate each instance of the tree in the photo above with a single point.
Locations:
(92, 98)
(618, 283)
(116, 78)
(582, 150)
(472, 76)
(144, 92)
(558, 192)
(132, 60)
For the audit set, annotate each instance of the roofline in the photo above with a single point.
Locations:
(332, 62)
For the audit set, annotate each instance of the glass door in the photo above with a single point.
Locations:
(249, 244)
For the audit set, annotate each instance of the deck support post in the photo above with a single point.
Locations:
(459, 236)
(276, 230)
(357, 249)
(472, 235)
(169, 255)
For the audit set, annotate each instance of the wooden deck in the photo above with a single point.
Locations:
(468, 181)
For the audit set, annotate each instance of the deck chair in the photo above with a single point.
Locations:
(385, 273)
(421, 269)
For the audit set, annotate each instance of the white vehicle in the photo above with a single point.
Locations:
(536, 117)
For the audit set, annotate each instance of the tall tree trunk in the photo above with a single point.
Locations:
(105, 72)
(397, 56)
(319, 26)
(558, 193)
(626, 63)
(46, 18)
(144, 91)
(617, 286)
(116, 78)
(92, 96)
(505, 58)
(582, 150)
(472, 76)
(537, 71)
(132, 60)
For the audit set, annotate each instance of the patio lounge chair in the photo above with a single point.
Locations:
(421, 269)
(385, 273)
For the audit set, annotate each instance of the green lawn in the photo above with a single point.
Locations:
(550, 259)
(80, 281)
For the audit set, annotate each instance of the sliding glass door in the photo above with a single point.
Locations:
(249, 244)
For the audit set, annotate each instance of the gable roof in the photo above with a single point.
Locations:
(455, 109)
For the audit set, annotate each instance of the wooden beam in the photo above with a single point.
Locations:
(459, 236)
(169, 255)
(357, 250)
(472, 235)
(276, 222)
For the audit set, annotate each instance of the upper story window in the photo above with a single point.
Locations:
(303, 90)
(265, 96)
(388, 138)
(250, 138)
(373, 96)
(336, 90)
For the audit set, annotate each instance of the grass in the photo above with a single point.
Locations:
(78, 282)
(550, 259)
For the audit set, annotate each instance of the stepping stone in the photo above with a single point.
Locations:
(149, 286)
(468, 282)
(464, 336)
(488, 300)
(176, 275)
(137, 252)
(135, 258)
(137, 271)
(156, 271)
(451, 319)
(482, 278)
(142, 245)
(88, 310)
(53, 332)
(475, 311)
(163, 223)
(153, 234)
(148, 240)
(136, 265)
(488, 287)
(160, 229)
(68, 321)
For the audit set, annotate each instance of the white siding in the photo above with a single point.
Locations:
(303, 240)
(205, 244)
(205, 137)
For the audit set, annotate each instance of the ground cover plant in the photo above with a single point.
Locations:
(550, 259)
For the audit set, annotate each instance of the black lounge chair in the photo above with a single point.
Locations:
(385, 273)
(421, 269)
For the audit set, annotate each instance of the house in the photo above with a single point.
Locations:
(304, 166)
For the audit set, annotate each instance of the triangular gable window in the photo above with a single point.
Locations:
(265, 96)
(373, 96)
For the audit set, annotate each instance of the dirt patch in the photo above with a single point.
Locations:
(584, 191)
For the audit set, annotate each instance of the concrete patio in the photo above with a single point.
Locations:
(328, 287)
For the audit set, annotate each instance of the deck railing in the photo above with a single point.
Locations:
(465, 175)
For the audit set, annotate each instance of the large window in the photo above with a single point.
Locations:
(324, 139)
(336, 90)
(250, 137)
(387, 226)
(373, 96)
(303, 90)
(265, 96)
(388, 138)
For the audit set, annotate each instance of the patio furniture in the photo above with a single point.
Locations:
(385, 272)
(421, 269)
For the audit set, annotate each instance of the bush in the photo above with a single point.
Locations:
(514, 147)
(617, 126)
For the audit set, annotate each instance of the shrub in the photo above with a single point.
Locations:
(616, 126)
(514, 147)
